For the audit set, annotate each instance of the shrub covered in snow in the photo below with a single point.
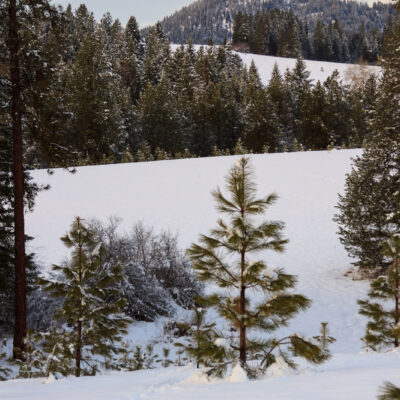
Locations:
(158, 276)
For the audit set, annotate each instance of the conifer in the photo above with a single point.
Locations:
(262, 126)
(372, 187)
(236, 278)
(92, 303)
(389, 392)
(383, 328)
(202, 348)
(4, 368)
(135, 359)
(165, 361)
(144, 153)
(324, 339)
(96, 102)
(33, 360)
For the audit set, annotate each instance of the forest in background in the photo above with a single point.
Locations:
(113, 96)
(206, 20)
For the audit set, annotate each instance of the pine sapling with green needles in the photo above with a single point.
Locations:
(382, 306)
(202, 347)
(92, 306)
(223, 258)
(324, 339)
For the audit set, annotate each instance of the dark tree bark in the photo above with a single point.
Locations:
(242, 304)
(242, 337)
(78, 355)
(18, 180)
(396, 297)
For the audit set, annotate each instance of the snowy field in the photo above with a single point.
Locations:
(354, 377)
(175, 195)
(320, 70)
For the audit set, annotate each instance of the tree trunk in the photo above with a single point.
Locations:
(242, 345)
(18, 180)
(396, 339)
(242, 311)
(242, 333)
(78, 356)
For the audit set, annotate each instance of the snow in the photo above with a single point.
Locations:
(320, 70)
(175, 195)
(355, 377)
(237, 375)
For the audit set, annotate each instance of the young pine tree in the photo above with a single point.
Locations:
(4, 369)
(324, 339)
(34, 360)
(383, 329)
(224, 259)
(202, 347)
(92, 304)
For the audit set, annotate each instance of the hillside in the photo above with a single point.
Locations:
(213, 19)
(175, 195)
(319, 70)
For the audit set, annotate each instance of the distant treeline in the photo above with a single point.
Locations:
(206, 20)
(281, 33)
(109, 95)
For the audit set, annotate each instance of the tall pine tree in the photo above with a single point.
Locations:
(223, 258)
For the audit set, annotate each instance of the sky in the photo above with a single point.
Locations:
(147, 12)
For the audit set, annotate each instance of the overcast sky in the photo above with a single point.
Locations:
(146, 11)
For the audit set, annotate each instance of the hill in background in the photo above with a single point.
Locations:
(213, 19)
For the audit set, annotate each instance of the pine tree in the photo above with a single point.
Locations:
(136, 359)
(389, 392)
(36, 66)
(279, 92)
(372, 187)
(369, 199)
(56, 346)
(242, 237)
(33, 363)
(4, 367)
(261, 122)
(320, 47)
(299, 87)
(165, 361)
(312, 129)
(338, 111)
(157, 52)
(158, 116)
(25, 64)
(324, 339)
(383, 328)
(131, 67)
(202, 348)
(92, 304)
(96, 103)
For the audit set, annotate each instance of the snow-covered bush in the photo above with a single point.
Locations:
(158, 275)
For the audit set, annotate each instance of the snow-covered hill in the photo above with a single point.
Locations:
(320, 70)
(175, 195)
